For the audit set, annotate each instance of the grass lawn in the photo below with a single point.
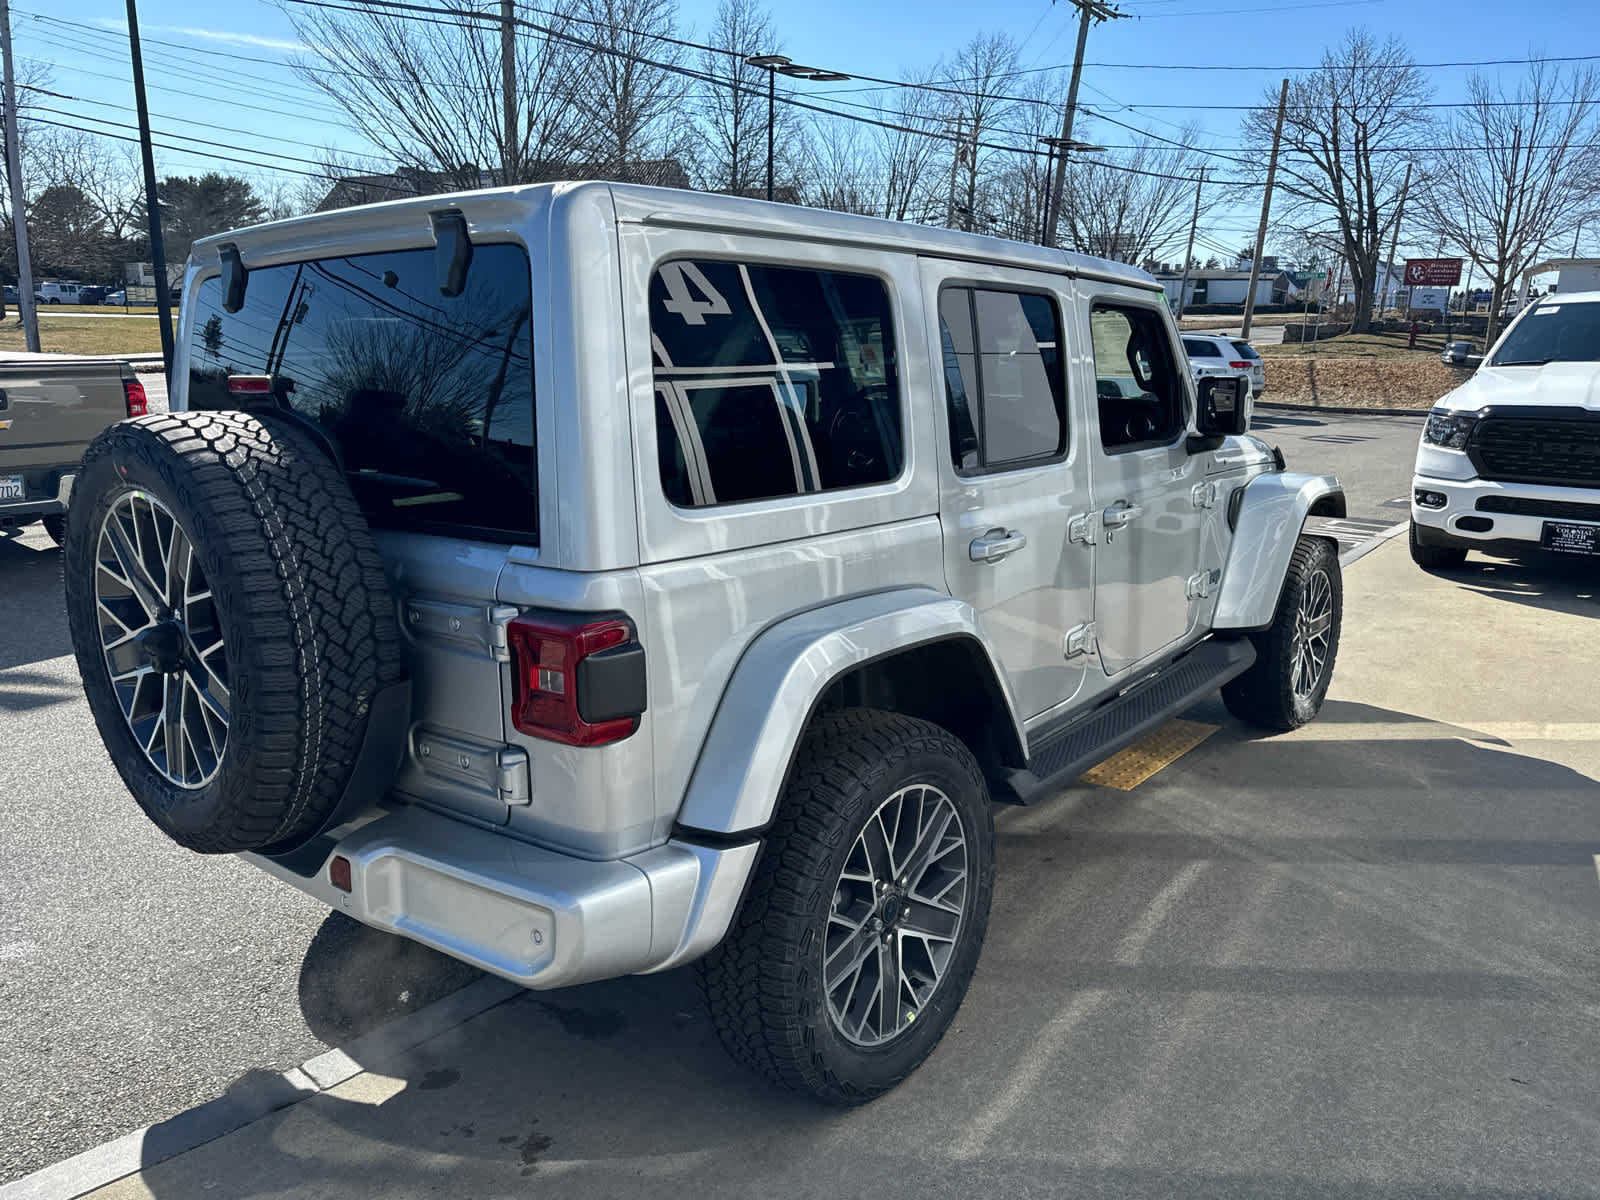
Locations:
(85, 335)
(1366, 345)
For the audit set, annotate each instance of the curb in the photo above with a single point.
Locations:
(134, 1152)
(1341, 410)
(1381, 538)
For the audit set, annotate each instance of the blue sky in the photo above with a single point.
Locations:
(260, 107)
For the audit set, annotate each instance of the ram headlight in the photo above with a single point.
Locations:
(1450, 430)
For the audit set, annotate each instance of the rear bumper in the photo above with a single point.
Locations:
(48, 490)
(532, 916)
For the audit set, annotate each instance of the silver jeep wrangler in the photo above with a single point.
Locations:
(585, 579)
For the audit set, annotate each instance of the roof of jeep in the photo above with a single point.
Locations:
(493, 207)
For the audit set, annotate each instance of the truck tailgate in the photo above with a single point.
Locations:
(51, 409)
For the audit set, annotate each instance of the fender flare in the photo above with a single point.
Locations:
(1272, 512)
(783, 675)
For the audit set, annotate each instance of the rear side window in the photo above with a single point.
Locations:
(1004, 386)
(1247, 351)
(771, 381)
(428, 397)
(1200, 348)
(1139, 392)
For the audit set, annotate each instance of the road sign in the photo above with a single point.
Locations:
(1433, 272)
(1316, 275)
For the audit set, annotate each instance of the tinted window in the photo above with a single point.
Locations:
(771, 381)
(1246, 351)
(428, 397)
(1138, 389)
(1004, 387)
(1200, 348)
(1553, 333)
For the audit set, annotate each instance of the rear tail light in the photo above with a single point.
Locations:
(133, 395)
(575, 681)
(249, 385)
(1240, 366)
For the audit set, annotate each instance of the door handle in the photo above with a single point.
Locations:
(996, 544)
(1121, 514)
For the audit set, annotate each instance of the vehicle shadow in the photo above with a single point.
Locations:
(33, 621)
(1350, 966)
(1553, 582)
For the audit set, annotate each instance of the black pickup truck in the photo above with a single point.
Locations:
(51, 408)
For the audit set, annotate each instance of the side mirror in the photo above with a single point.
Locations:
(1224, 406)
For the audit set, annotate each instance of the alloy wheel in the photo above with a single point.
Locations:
(1313, 632)
(161, 637)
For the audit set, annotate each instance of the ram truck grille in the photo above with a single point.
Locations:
(1538, 450)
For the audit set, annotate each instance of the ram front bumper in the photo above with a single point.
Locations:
(1486, 524)
(533, 916)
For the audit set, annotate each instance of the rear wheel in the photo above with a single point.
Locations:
(1435, 558)
(865, 920)
(1287, 684)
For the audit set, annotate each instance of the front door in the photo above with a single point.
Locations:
(1149, 492)
(1014, 475)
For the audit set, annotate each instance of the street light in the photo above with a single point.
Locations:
(1058, 145)
(779, 64)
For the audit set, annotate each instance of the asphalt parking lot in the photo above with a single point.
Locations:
(1353, 961)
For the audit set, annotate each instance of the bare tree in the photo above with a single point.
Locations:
(1344, 131)
(839, 169)
(107, 174)
(1137, 204)
(733, 100)
(1519, 170)
(1019, 185)
(634, 106)
(908, 155)
(427, 91)
(985, 65)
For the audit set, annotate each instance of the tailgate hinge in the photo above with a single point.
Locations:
(511, 767)
(501, 616)
(1080, 639)
(1200, 584)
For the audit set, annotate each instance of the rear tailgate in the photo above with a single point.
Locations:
(50, 410)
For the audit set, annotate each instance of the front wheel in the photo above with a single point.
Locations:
(863, 925)
(1295, 654)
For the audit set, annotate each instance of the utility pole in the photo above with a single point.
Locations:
(1188, 254)
(1576, 234)
(152, 208)
(1394, 239)
(19, 215)
(1088, 10)
(1266, 208)
(956, 155)
(510, 159)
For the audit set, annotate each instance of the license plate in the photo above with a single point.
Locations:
(1571, 539)
(11, 487)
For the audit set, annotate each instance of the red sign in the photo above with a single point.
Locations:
(1433, 272)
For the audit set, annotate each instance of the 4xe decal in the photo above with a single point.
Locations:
(677, 277)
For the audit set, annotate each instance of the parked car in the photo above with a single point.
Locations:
(119, 297)
(12, 294)
(52, 292)
(92, 294)
(711, 639)
(1258, 369)
(1510, 460)
(50, 410)
(1214, 356)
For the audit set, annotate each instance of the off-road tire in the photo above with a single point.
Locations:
(56, 526)
(1435, 558)
(302, 605)
(763, 985)
(1265, 695)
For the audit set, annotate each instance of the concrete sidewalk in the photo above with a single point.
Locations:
(1353, 961)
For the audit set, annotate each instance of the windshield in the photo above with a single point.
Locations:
(1553, 333)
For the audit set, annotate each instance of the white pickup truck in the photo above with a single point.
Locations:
(1510, 460)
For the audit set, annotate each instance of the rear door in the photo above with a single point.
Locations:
(1014, 474)
(429, 397)
(1150, 493)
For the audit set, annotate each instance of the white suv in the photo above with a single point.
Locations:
(1510, 460)
(1213, 356)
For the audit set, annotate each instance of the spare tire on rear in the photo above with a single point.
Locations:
(231, 621)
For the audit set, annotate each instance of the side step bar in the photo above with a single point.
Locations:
(1058, 756)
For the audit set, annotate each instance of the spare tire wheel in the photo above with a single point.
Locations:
(231, 621)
